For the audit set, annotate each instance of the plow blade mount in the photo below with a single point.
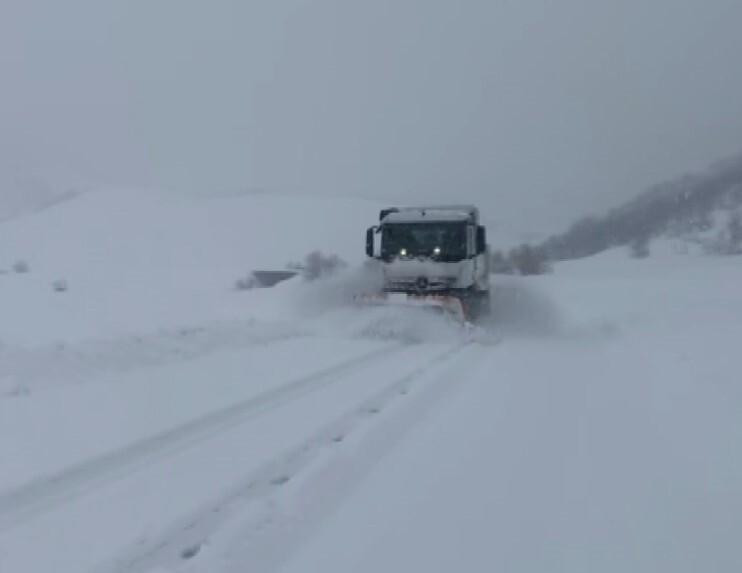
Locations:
(447, 304)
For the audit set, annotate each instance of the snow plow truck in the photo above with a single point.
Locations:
(432, 257)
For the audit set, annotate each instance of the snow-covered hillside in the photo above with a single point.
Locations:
(21, 194)
(137, 261)
(154, 418)
(697, 208)
(25, 188)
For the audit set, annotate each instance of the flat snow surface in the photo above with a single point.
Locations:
(153, 418)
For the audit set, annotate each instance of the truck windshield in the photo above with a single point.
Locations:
(441, 241)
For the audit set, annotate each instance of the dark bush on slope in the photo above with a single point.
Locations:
(681, 206)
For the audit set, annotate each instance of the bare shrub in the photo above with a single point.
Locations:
(21, 267)
(317, 265)
(60, 285)
(728, 241)
(500, 264)
(528, 260)
(639, 248)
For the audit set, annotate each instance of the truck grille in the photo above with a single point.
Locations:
(420, 284)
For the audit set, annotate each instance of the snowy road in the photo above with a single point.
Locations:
(62, 486)
(528, 454)
(246, 449)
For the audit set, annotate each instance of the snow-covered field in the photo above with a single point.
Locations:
(153, 418)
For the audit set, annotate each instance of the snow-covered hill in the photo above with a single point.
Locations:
(25, 189)
(136, 261)
(154, 418)
(21, 193)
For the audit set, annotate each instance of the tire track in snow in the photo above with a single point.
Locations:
(186, 539)
(47, 492)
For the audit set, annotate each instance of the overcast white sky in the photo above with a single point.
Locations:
(535, 109)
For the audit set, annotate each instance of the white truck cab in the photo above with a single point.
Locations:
(436, 251)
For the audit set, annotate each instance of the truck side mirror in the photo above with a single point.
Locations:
(481, 240)
(370, 241)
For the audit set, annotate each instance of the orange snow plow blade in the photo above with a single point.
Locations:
(449, 305)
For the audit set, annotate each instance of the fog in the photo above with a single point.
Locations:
(539, 111)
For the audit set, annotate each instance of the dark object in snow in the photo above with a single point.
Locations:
(60, 285)
(191, 552)
(263, 279)
(317, 265)
(272, 278)
(20, 267)
(280, 480)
